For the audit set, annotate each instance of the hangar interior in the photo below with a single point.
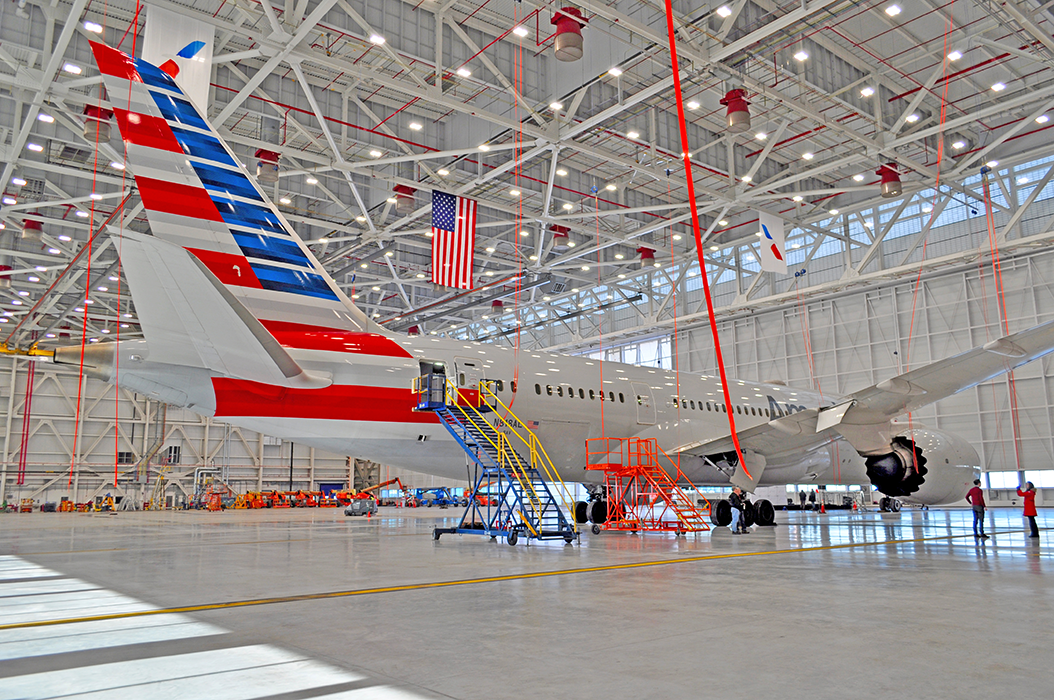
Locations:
(904, 146)
(584, 239)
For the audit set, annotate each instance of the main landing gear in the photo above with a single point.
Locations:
(889, 505)
(760, 513)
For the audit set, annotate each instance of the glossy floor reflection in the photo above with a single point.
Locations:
(307, 603)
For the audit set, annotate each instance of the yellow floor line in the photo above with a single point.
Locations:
(461, 582)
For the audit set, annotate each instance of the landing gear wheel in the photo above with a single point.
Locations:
(884, 504)
(721, 513)
(511, 538)
(764, 513)
(581, 512)
(598, 512)
(748, 514)
(895, 505)
(595, 529)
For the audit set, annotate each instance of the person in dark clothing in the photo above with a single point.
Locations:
(975, 497)
(1029, 494)
(801, 497)
(812, 500)
(738, 501)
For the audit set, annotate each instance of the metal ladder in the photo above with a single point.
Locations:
(518, 499)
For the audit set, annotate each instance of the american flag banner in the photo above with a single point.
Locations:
(453, 239)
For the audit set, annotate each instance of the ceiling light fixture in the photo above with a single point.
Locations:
(1042, 119)
(46, 118)
(615, 71)
(484, 147)
(375, 153)
(797, 198)
(959, 145)
(723, 222)
(415, 126)
(18, 182)
(801, 56)
(520, 31)
(893, 10)
(747, 178)
(761, 136)
(377, 39)
(611, 187)
(556, 105)
(93, 27)
(808, 156)
(464, 72)
(311, 181)
(998, 87)
(867, 91)
(859, 177)
(561, 172)
(955, 55)
(724, 11)
(632, 135)
(692, 104)
(72, 68)
(911, 118)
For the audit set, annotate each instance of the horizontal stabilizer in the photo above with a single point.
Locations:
(190, 318)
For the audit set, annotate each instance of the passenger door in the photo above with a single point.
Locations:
(645, 404)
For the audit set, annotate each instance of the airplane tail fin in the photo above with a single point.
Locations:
(199, 197)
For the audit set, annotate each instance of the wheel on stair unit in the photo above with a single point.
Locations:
(435, 535)
(511, 538)
(596, 529)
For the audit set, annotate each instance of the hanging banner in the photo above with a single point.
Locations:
(773, 249)
(182, 47)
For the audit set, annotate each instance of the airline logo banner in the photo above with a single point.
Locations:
(453, 239)
(181, 44)
(773, 249)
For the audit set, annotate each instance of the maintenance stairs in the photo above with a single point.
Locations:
(640, 493)
(514, 480)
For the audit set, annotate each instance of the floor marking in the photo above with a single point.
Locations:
(473, 581)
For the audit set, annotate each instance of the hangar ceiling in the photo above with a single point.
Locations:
(360, 97)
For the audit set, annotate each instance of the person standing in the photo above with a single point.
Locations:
(736, 499)
(801, 497)
(975, 497)
(812, 500)
(1029, 494)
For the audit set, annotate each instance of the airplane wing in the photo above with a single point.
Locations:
(191, 319)
(874, 407)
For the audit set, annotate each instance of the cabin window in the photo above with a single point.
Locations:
(559, 391)
(592, 395)
(768, 413)
(514, 386)
(500, 384)
(538, 389)
(724, 408)
(692, 404)
(581, 393)
(684, 403)
(461, 379)
(739, 410)
(611, 396)
(621, 398)
(753, 411)
(549, 389)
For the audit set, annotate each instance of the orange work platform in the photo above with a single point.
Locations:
(640, 493)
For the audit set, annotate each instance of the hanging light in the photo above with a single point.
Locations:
(32, 230)
(560, 237)
(737, 119)
(890, 180)
(97, 120)
(5, 280)
(497, 306)
(405, 202)
(647, 256)
(568, 40)
(267, 165)
(413, 330)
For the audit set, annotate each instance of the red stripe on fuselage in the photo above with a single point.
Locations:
(114, 62)
(307, 337)
(229, 268)
(145, 130)
(238, 397)
(173, 198)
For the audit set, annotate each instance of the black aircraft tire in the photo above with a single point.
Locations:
(748, 514)
(598, 512)
(883, 504)
(894, 505)
(721, 513)
(581, 512)
(764, 513)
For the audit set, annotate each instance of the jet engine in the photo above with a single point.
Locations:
(924, 466)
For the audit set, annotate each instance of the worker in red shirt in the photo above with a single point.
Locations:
(975, 497)
(1029, 494)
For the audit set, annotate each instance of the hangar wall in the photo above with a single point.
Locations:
(848, 341)
(250, 461)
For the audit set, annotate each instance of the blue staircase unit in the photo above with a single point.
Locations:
(510, 496)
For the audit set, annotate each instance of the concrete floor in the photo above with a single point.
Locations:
(838, 605)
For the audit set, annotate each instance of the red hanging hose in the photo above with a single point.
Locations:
(699, 235)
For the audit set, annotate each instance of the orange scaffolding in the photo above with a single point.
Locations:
(640, 493)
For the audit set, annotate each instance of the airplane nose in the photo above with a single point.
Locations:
(99, 359)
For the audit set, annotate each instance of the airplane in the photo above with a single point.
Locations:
(241, 322)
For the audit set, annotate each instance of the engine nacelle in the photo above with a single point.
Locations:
(925, 466)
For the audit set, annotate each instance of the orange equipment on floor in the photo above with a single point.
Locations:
(640, 494)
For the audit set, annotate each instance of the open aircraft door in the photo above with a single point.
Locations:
(645, 404)
(468, 373)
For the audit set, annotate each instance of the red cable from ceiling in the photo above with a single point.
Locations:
(685, 150)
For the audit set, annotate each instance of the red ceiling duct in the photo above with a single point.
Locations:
(404, 200)
(647, 256)
(568, 40)
(32, 230)
(737, 120)
(267, 165)
(890, 180)
(97, 120)
(560, 237)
